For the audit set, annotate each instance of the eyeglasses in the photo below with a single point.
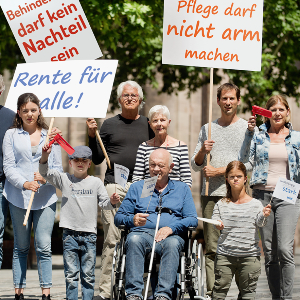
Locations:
(134, 97)
(153, 166)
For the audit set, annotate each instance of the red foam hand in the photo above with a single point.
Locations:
(256, 110)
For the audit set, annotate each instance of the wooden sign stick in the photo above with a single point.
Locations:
(211, 85)
(103, 149)
(33, 193)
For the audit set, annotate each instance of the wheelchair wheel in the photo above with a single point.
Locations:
(117, 290)
(200, 269)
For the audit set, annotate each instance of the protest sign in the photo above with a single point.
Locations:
(70, 89)
(121, 175)
(149, 185)
(213, 33)
(286, 190)
(210, 221)
(48, 30)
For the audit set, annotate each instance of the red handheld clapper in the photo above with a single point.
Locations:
(63, 143)
(256, 110)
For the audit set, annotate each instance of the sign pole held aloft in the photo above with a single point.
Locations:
(211, 84)
(103, 149)
(33, 193)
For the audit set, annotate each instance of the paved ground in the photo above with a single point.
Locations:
(33, 291)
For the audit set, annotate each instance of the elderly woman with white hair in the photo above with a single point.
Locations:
(159, 120)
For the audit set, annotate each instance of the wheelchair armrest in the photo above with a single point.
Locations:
(122, 227)
(192, 229)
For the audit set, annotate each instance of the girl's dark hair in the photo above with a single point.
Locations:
(234, 164)
(22, 100)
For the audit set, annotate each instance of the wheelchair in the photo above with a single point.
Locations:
(191, 268)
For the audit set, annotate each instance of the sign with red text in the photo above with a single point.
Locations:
(80, 88)
(49, 30)
(213, 33)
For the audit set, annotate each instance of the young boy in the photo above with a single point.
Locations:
(81, 194)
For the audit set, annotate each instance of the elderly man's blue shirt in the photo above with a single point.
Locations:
(176, 196)
(258, 154)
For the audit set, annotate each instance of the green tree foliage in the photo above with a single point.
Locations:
(131, 31)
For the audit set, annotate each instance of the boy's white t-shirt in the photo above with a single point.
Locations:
(80, 199)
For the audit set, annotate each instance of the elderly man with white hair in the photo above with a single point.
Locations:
(121, 136)
(140, 215)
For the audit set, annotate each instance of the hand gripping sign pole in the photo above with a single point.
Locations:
(209, 122)
(33, 193)
(58, 138)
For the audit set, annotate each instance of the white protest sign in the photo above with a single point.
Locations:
(149, 185)
(213, 33)
(210, 221)
(66, 89)
(48, 30)
(121, 175)
(286, 190)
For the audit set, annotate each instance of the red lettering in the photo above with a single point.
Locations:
(189, 52)
(60, 13)
(73, 29)
(61, 56)
(51, 17)
(210, 53)
(47, 40)
(226, 56)
(179, 7)
(170, 29)
(189, 27)
(234, 56)
(29, 47)
(10, 15)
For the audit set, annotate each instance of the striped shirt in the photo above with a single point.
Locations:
(241, 221)
(181, 170)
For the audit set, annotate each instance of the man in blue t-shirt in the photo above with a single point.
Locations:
(6, 121)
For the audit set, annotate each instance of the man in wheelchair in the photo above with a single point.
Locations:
(140, 214)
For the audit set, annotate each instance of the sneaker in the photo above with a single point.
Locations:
(44, 297)
(100, 297)
(161, 297)
(19, 297)
(133, 297)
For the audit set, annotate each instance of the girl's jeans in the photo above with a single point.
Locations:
(42, 221)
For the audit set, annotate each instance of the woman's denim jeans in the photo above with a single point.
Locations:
(79, 259)
(138, 245)
(278, 240)
(42, 221)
